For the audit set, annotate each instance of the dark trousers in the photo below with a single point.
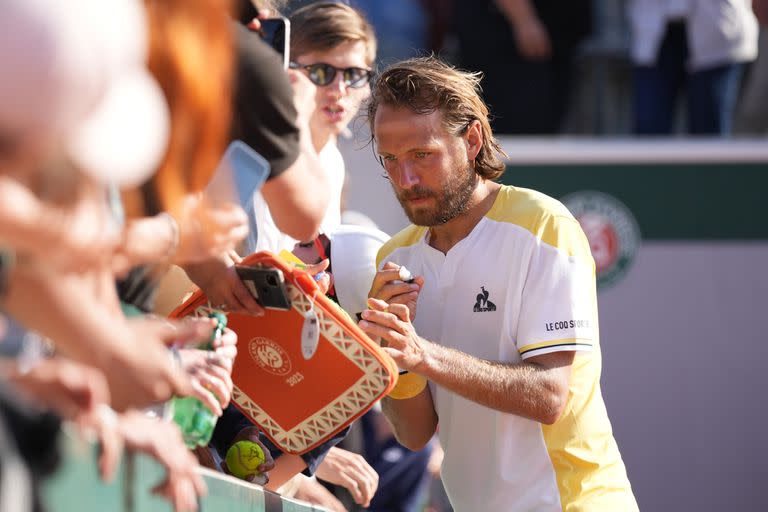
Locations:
(710, 94)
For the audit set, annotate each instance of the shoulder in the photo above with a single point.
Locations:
(255, 55)
(264, 115)
(544, 218)
(408, 237)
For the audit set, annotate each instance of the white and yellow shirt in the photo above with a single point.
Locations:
(521, 284)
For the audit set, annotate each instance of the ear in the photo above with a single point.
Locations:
(474, 139)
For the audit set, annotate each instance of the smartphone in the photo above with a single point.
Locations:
(240, 172)
(267, 285)
(276, 32)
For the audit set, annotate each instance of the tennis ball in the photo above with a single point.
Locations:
(244, 458)
(408, 386)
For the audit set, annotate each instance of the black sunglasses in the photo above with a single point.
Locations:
(323, 74)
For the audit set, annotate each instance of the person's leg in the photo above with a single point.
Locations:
(656, 87)
(712, 95)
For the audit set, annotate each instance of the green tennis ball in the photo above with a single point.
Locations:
(244, 458)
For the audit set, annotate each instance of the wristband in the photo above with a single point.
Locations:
(408, 385)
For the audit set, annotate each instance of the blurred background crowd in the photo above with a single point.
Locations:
(114, 117)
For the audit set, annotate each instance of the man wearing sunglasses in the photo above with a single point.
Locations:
(334, 46)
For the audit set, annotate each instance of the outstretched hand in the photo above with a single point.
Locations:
(262, 477)
(351, 471)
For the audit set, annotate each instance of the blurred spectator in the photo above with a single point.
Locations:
(752, 115)
(56, 111)
(182, 226)
(697, 47)
(525, 49)
(79, 110)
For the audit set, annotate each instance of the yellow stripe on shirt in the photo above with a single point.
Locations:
(587, 342)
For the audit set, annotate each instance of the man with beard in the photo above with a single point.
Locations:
(506, 331)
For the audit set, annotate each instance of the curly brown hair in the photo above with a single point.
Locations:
(426, 84)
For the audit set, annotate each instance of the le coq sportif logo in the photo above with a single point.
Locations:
(482, 303)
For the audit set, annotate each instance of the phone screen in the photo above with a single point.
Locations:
(241, 171)
(276, 33)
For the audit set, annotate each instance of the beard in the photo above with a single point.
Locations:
(450, 202)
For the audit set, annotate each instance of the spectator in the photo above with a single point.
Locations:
(274, 122)
(504, 353)
(528, 81)
(334, 46)
(68, 122)
(698, 47)
(47, 124)
(182, 226)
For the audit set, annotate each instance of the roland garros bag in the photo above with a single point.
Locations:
(300, 402)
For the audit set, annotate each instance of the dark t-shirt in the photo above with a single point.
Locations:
(264, 115)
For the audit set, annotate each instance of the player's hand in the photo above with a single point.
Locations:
(161, 440)
(392, 323)
(532, 39)
(351, 471)
(388, 287)
(252, 434)
(209, 374)
(223, 287)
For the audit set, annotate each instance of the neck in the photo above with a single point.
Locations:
(320, 138)
(445, 236)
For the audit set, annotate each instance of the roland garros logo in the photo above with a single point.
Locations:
(270, 356)
(611, 230)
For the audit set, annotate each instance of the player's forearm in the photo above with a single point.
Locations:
(413, 420)
(523, 389)
(298, 198)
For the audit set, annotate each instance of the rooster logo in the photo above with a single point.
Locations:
(482, 303)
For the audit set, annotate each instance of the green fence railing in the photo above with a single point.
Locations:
(77, 486)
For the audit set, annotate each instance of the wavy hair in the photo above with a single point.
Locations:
(192, 57)
(425, 85)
